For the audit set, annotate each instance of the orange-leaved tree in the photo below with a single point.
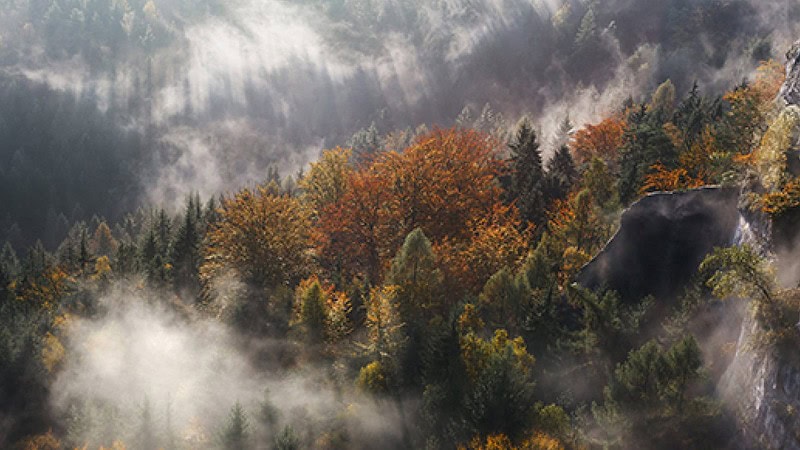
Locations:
(441, 184)
(497, 242)
(601, 140)
(661, 178)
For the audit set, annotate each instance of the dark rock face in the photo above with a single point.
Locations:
(790, 91)
(662, 240)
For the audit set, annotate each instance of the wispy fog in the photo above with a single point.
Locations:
(138, 354)
(295, 77)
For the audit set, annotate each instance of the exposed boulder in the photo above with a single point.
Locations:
(661, 241)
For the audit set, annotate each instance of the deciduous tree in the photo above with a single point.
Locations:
(262, 236)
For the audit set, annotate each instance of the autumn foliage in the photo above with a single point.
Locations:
(496, 243)
(262, 235)
(601, 140)
(663, 179)
(440, 184)
(539, 441)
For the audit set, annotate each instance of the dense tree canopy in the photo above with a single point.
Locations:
(422, 278)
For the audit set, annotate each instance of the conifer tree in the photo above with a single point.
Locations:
(527, 174)
(146, 433)
(186, 249)
(311, 310)
(9, 266)
(418, 279)
(504, 299)
(662, 104)
(85, 257)
(287, 440)
(386, 334)
(103, 242)
(645, 145)
(561, 175)
(236, 433)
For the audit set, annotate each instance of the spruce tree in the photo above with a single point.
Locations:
(527, 174)
(645, 144)
(163, 230)
(311, 311)
(419, 281)
(146, 433)
(420, 295)
(9, 267)
(287, 440)
(85, 257)
(561, 175)
(186, 249)
(235, 435)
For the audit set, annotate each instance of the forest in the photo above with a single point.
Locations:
(208, 266)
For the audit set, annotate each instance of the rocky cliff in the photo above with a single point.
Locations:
(662, 240)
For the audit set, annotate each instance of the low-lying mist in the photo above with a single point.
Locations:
(138, 363)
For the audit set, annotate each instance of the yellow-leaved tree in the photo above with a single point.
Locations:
(258, 249)
(263, 236)
(327, 179)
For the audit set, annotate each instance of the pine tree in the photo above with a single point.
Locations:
(653, 398)
(311, 310)
(186, 249)
(683, 363)
(527, 174)
(500, 394)
(236, 434)
(146, 433)
(37, 262)
(163, 231)
(645, 144)
(561, 175)
(6, 276)
(690, 117)
(418, 279)
(125, 259)
(365, 143)
(563, 133)
(465, 118)
(85, 257)
(148, 251)
(9, 263)
(273, 176)
(599, 180)
(103, 242)
(287, 440)
(504, 299)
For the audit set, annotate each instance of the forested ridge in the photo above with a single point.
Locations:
(431, 284)
(413, 284)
